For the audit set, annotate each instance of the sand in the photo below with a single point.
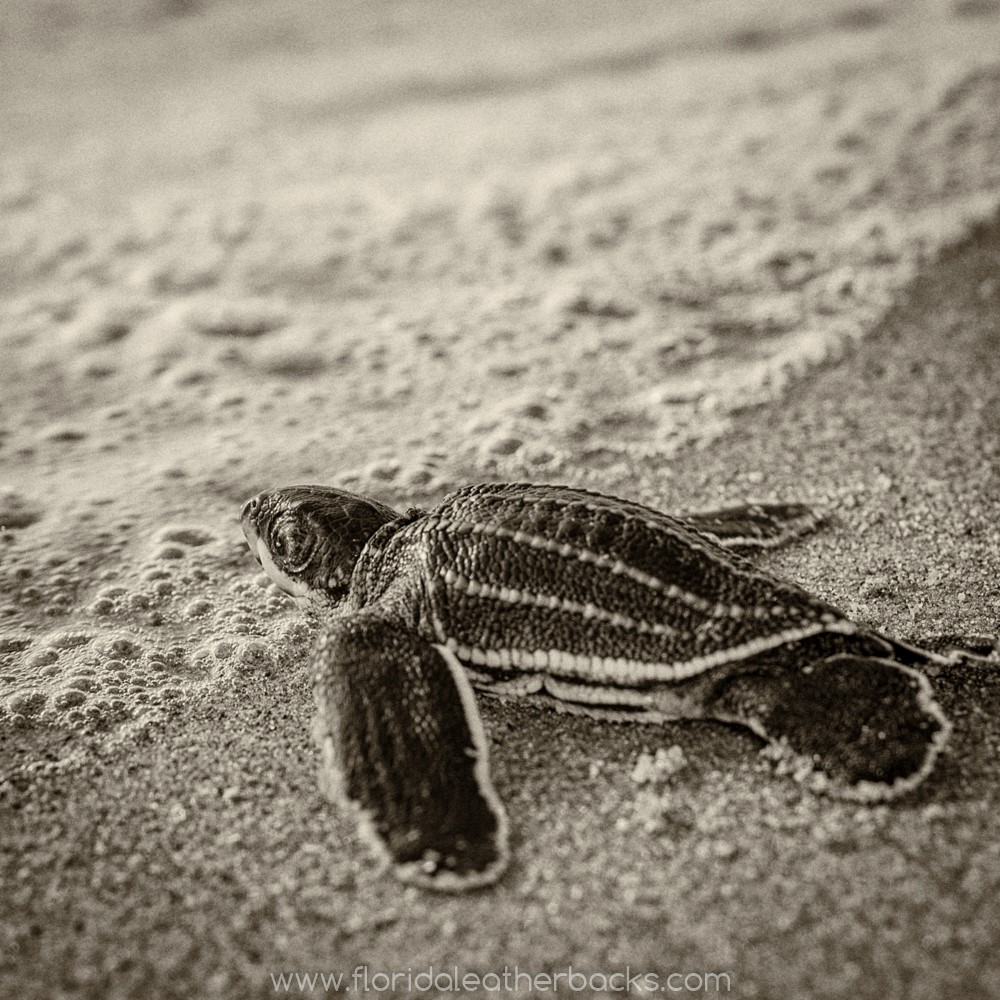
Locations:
(685, 259)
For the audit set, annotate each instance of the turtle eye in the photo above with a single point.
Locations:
(285, 541)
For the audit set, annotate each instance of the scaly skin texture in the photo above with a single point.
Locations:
(532, 569)
(325, 537)
(402, 746)
(596, 603)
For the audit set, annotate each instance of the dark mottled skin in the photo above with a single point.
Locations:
(741, 602)
(402, 758)
(324, 537)
(598, 580)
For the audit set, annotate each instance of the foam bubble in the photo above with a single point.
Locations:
(164, 552)
(42, 657)
(503, 444)
(191, 535)
(69, 640)
(121, 647)
(17, 511)
(223, 649)
(27, 703)
(291, 361)
(248, 318)
(254, 656)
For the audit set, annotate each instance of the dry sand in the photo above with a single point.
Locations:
(654, 254)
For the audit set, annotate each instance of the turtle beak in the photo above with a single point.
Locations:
(248, 521)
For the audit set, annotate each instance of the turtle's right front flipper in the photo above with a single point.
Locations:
(867, 727)
(402, 742)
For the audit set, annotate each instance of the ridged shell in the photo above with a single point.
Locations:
(576, 584)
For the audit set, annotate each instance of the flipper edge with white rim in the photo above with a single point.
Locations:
(856, 727)
(402, 742)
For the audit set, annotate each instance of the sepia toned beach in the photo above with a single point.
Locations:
(669, 252)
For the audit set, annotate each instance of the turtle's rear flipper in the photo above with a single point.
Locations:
(756, 526)
(857, 727)
(403, 743)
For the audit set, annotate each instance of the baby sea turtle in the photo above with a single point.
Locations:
(597, 604)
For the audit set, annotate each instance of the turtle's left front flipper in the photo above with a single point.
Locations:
(956, 648)
(402, 742)
(862, 727)
(750, 527)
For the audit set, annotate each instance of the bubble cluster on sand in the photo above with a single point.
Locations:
(65, 679)
(137, 641)
(420, 472)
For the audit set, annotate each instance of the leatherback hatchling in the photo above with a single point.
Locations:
(598, 604)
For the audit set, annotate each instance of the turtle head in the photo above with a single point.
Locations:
(308, 538)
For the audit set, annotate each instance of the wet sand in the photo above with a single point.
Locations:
(178, 343)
